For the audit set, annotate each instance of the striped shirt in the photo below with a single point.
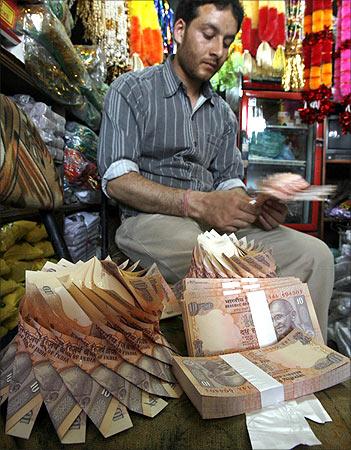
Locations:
(150, 127)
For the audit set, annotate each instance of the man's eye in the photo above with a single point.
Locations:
(208, 36)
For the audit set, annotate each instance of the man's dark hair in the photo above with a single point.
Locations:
(187, 9)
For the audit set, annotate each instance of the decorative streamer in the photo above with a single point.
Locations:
(263, 37)
(342, 67)
(317, 50)
(106, 24)
(294, 67)
(145, 33)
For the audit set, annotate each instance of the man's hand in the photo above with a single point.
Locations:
(226, 211)
(273, 213)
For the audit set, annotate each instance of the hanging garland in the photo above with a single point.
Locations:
(263, 37)
(145, 37)
(317, 50)
(293, 71)
(342, 67)
(106, 24)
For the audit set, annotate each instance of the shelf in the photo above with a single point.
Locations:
(277, 162)
(17, 78)
(13, 214)
(285, 127)
(335, 220)
(338, 161)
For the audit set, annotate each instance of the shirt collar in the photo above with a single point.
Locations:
(172, 82)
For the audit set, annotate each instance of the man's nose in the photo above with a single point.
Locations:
(217, 47)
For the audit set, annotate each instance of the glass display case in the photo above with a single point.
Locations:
(274, 140)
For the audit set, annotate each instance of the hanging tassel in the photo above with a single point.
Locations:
(279, 59)
(247, 62)
(264, 55)
(293, 71)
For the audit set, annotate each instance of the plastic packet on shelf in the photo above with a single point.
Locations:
(25, 102)
(38, 22)
(79, 171)
(82, 138)
(56, 153)
(94, 60)
(61, 9)
(45, 71)
(52, 140)
(88, 114)
(43, 123)
(42, 109)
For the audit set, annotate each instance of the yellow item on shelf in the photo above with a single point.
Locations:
(4, 268)
(10, 233)
(11, 322)
(7, 286)
(37, 234)
(3, 331)
(18, 268)
(23, 251)
(14, 297)
(46, 248)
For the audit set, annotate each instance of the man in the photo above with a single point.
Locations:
(283, 317)
(167, 154)
(215, 373)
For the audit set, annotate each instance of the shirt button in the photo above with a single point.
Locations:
(195, 144)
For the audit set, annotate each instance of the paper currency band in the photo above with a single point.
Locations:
(261, 318)
(186, 202)
(271, 391)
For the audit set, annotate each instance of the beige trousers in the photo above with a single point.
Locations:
(169, 241)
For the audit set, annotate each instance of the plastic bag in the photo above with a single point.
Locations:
(94, 60)
(82, 138)
(46, 72)
(61, 9)
(79, 171)
(88, 114)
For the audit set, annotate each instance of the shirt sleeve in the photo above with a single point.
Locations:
(120, 135)
(227, 167)
(117, 169)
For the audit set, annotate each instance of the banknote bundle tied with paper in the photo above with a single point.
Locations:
(88, 345)
(234, 304)
(227, 385)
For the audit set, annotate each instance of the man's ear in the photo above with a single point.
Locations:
(179, 31)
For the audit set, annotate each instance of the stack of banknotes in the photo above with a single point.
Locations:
(223, 316)
(253, 338)
(227, 385)
(225, 256)
(88, 345)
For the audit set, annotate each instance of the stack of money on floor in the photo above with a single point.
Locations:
(88, 345)
(232, 301)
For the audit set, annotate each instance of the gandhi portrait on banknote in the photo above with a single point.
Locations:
(216, 373)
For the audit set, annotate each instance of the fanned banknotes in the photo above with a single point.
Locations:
(227, 385)
(225, 256)
(89, 345)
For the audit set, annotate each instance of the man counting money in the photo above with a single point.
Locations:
(168, 155)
